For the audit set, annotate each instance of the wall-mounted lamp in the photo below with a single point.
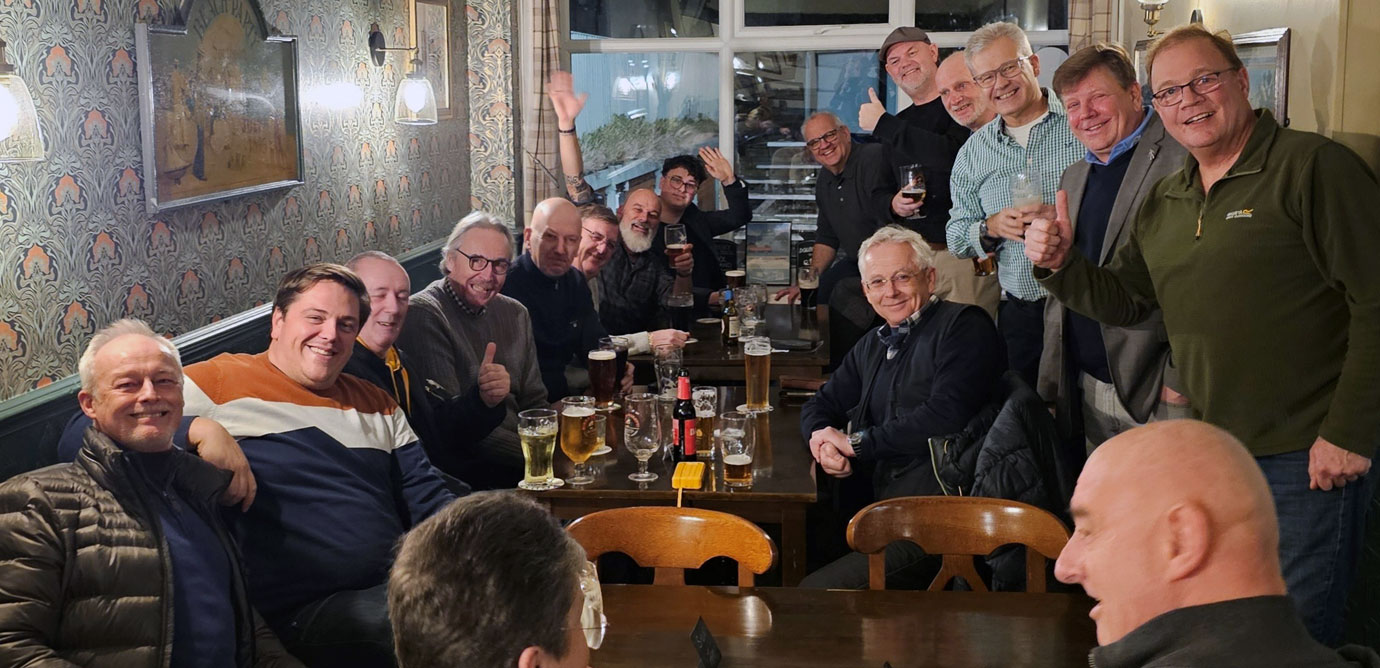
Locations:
(20, 138)
(415, 103)
(1152, 16)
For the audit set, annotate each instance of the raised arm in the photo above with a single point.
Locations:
(561, 90)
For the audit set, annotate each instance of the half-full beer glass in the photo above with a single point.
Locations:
(537, 431)
(736, 438)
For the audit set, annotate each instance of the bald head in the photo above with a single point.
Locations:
(1170, 515)
(554, 236)
(963, 98)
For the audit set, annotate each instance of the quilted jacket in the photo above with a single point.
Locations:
(85, 575)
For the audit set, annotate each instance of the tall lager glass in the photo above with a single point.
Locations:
(603, 376)
(582, 432)
(757, 360)
(537, 432)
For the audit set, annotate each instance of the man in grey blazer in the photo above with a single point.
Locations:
(1115, 377)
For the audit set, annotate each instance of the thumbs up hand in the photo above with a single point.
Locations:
(494, 383)
(871, 111)
(1047, 242)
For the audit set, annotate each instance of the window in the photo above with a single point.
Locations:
(640, 19)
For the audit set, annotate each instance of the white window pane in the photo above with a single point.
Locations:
(969, 15)
(629, 19)
(814, 12)
(642, 109)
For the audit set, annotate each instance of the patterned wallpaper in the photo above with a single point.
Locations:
(77, 247)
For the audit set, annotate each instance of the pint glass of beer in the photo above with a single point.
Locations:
(706, 399)
(603, 375)
(575, 413)
(736, 440)
(913, 186)
(807, 279)
(681, 308)
(537, 432)
(985, 264)
(676, 240)
(619, 345)
(757, 360)
(736, 278)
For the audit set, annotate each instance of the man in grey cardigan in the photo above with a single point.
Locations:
(462, 333)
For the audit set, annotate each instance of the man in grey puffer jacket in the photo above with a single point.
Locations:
(119, 559)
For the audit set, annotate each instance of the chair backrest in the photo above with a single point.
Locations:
(959, 528)
(671, 540)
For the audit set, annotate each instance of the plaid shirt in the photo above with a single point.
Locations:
(893, 337)
(633, 287)
(981, 186)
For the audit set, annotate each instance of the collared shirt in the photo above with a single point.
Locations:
(856, 201)
(469, 310)
(981, 186)
(1127, 143)
(636, 286)
(893, 337)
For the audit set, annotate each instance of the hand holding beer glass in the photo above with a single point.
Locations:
(913, 188)
(737, 441)
(641, 433)
(757, 364)
(676, 240)
(579, 438)
(537, 432)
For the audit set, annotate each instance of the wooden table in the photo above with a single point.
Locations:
(768, 626)
(781, 491)
(710, 361)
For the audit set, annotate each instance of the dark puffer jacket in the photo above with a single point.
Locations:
(85, 575)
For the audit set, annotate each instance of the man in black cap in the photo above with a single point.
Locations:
(924, 133)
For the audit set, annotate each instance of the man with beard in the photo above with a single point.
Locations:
(464, 334)
(600, 237)
(644, 278)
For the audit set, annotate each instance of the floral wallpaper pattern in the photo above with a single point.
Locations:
(78, 249)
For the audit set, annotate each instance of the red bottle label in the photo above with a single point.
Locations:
(684, 436)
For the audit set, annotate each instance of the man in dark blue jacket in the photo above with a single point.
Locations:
(926, 372)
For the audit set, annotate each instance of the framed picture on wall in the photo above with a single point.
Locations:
(1266, 55)
(1138, 57)
(218, 108)
(431, 36)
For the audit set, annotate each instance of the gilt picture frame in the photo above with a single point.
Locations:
(1266, 56)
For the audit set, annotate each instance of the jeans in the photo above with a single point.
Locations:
(1320, 536)
(1022, 325)
(347, 628)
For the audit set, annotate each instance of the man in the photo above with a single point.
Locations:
(493, 581)
(681, 176)
(963, 98)
(565, 326)
(597, 239)
(1116, 375)
(1176, 540)
(853, 192)
(1032, 134)
(341, 474)
(926, 372)
(1270, 300)
(645, 278)
(120, 557)
(474, 337)
(448, 425)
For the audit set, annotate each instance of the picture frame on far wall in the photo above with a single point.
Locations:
(218, 107)
(431, 35)
(1138, 58)
(1266, 56)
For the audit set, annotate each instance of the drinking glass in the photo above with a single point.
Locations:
(1025, 187)
(537, 432)
(706, 400)
(751, 308)
(736, 441)
(668, 363)
(620, 346)
(736, 278)
(681, 307)
(913, 187)
(641, 433)
(757, 368)
(676, 240)
(576, 414)
(807, 279)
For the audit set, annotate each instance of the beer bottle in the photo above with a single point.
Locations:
(683, 422)
(729, 325)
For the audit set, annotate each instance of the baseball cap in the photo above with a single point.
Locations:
(899, 35)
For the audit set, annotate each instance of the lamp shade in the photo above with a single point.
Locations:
(20, 138)
(416, 102)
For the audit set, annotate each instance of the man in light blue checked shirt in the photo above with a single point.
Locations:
(1030, 133)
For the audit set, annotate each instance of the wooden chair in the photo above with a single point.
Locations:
(959, 528)
(674, 539)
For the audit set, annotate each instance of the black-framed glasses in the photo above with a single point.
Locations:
(678, 183)
(1203, 84)
(829, 137)
(478, 262)
(1008, 70)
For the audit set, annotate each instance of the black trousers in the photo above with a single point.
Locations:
(1022, 326)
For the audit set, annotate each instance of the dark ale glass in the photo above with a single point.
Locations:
(682, 309)
(603, 376)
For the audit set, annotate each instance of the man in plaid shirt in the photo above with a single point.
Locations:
(1031, 134)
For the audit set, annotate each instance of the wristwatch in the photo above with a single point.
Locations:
(982, 229)
(855, 441)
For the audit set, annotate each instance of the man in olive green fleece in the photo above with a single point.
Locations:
(1261, 253)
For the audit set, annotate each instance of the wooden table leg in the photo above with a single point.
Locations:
(792, 545)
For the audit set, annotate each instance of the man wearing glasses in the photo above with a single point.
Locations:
(1032, 134)
(463, 334)
(1260, 252)
(681, 177)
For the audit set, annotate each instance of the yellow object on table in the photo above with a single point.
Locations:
(688, 475)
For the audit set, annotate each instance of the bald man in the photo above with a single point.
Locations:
(637, 279)
(963, 98)
(1177, 540)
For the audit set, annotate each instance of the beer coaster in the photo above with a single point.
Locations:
(708, 321)
(744, 408)
(601, 450)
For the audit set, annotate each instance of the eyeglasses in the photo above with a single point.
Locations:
(478, 262)
(678, 183)
(829, 137)
(592, 619)
(1008, 70)
(900, 280)
(596, 237)
(1204, 84)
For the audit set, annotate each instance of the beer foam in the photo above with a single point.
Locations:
(735, 272)
(578, 411)
(602, 354)
(737, 460)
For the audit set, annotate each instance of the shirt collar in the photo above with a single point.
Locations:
(1055, 109)
(1126, 144)
(893, 337)
(445, 286)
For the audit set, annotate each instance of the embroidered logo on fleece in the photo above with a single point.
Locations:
(1240, 213)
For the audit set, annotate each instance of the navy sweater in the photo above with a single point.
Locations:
(565, 325)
